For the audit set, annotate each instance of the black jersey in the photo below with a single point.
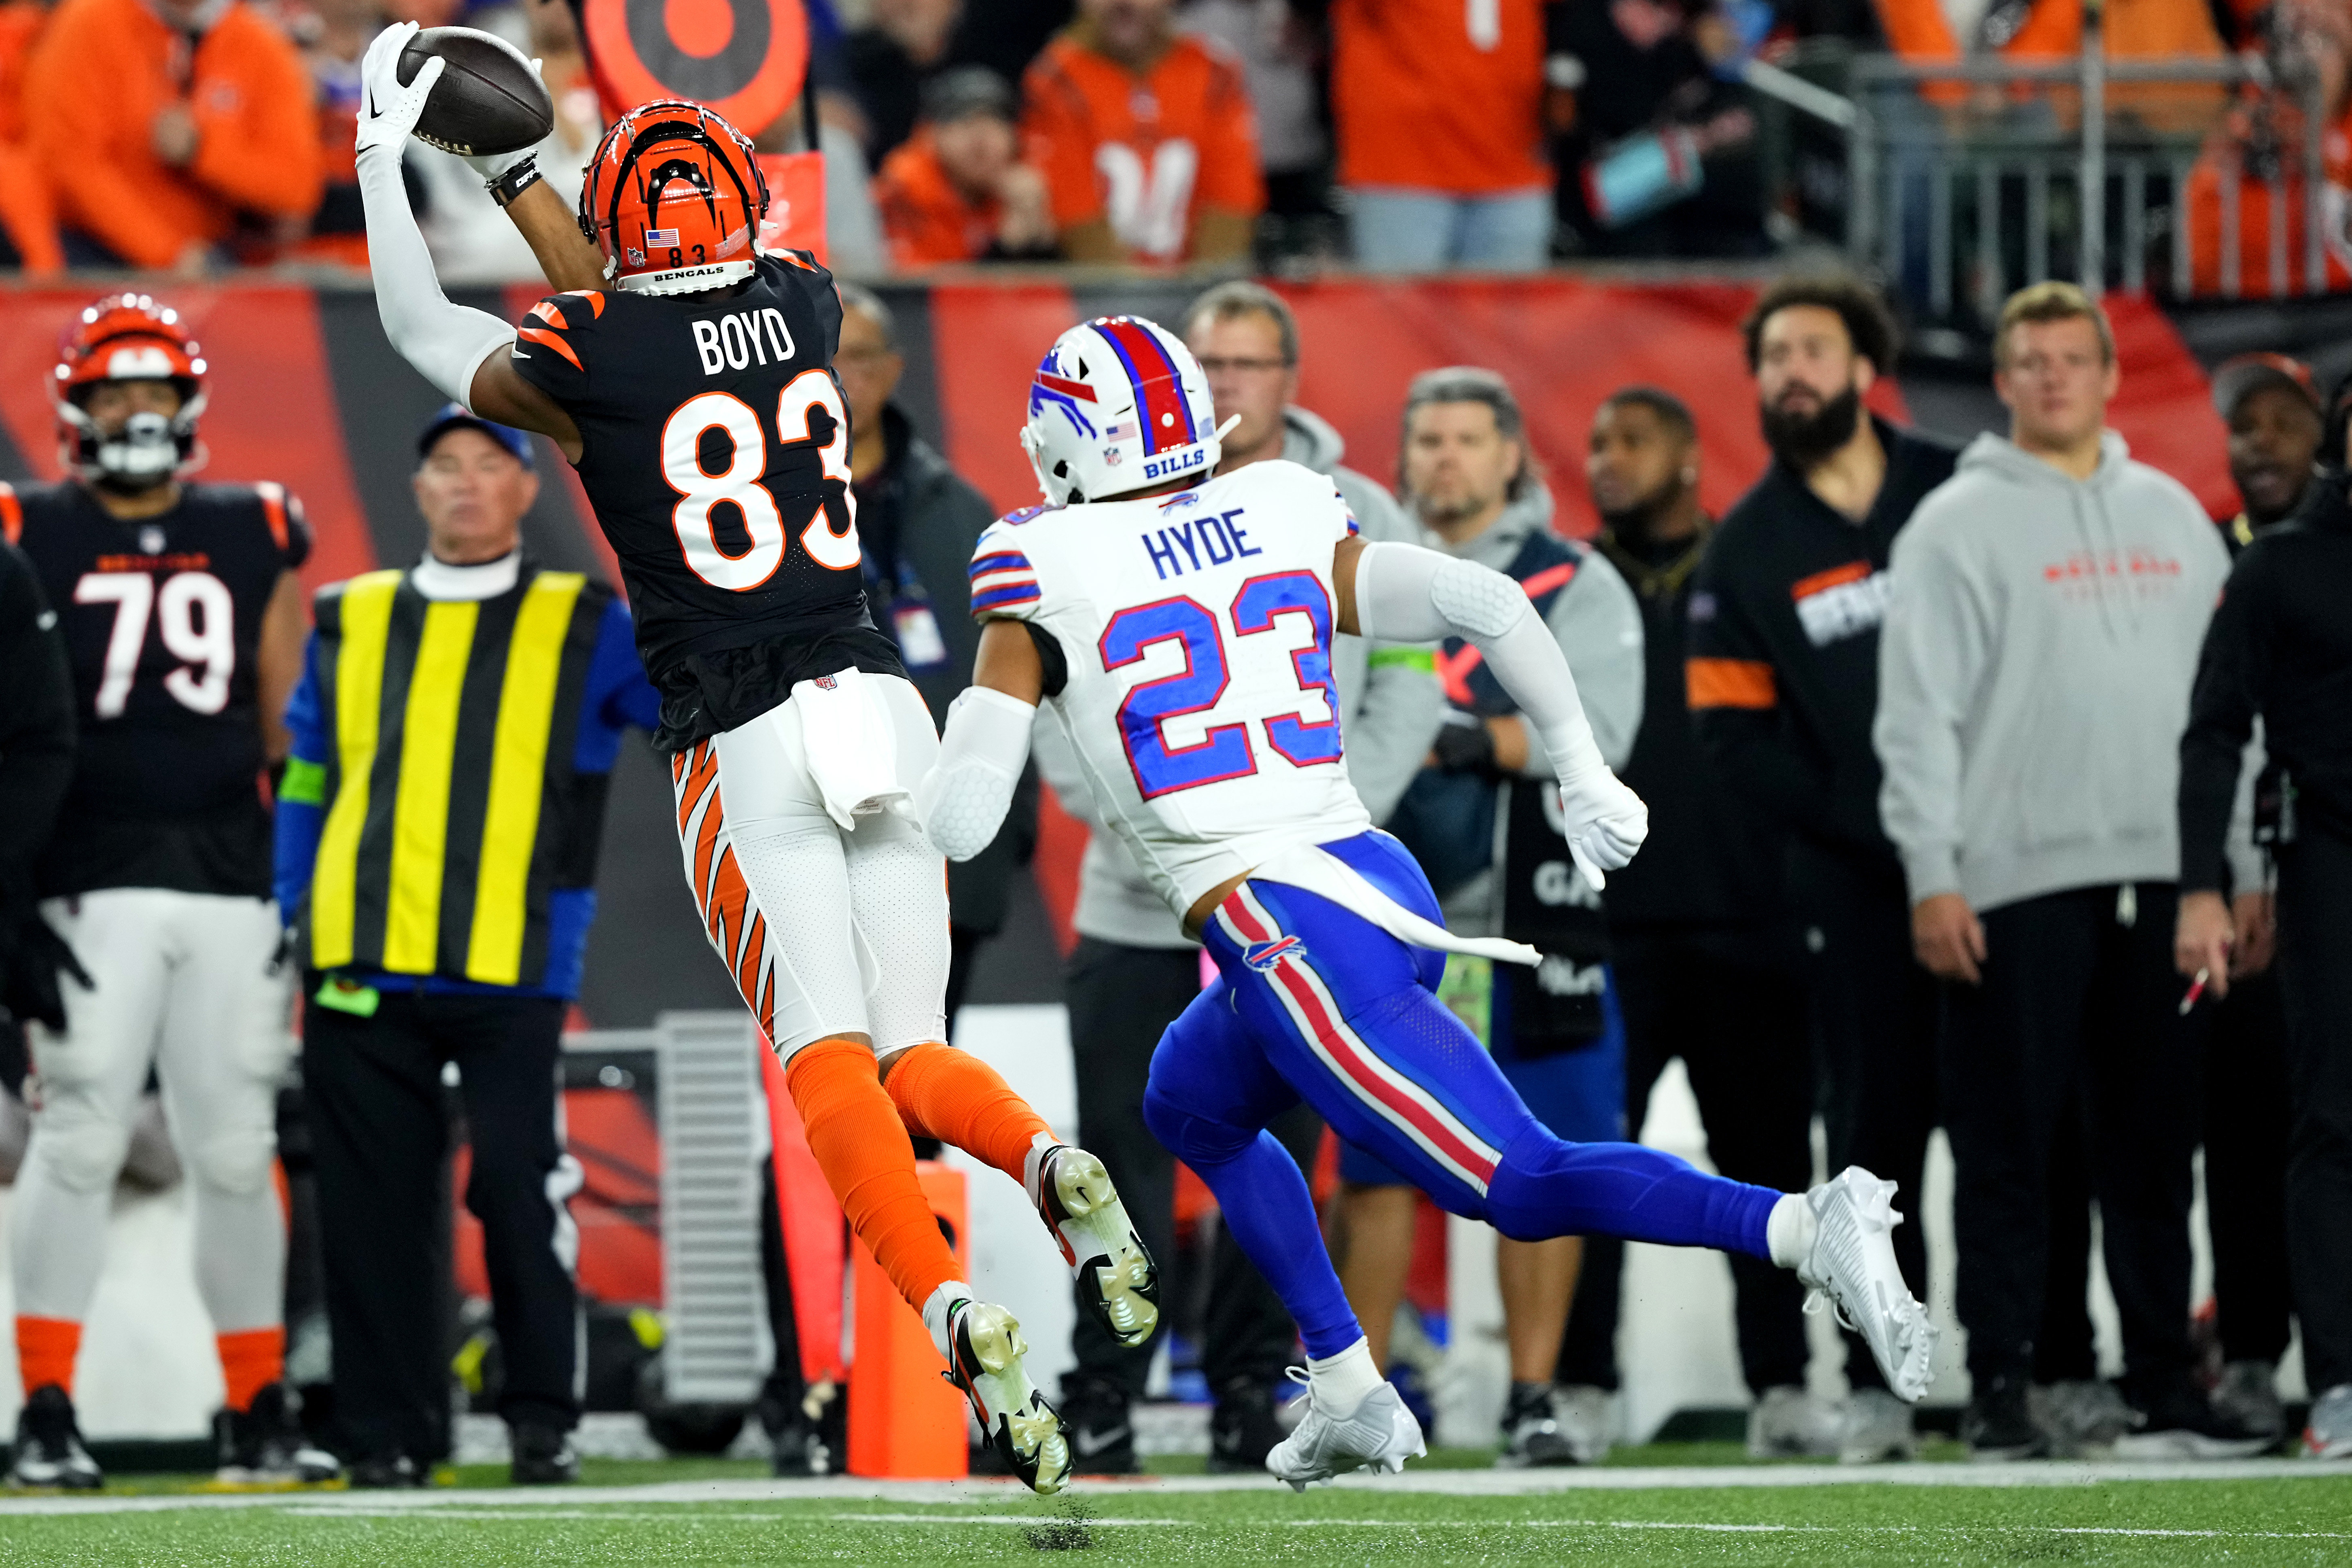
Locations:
(163, 623)
(716, 453)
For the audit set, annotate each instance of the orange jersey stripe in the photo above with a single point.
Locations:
(12, 514)
(541, 335)
(273, 507)
(1851, 572)
(1730, 683)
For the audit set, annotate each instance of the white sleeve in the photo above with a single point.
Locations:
(962, 801)
(1406, 594)
(445, 343)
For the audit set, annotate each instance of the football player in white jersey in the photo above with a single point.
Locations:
(1182, 636)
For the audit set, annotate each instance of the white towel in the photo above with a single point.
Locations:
(1310, 866)
(851, 750)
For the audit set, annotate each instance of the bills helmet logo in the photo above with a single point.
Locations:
(1263, 956)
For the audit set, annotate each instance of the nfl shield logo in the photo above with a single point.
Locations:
(826, 683)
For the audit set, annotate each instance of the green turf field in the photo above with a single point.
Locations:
(654, 1515)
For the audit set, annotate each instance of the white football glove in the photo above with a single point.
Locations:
(389, 111)
(492, 165)
(1605, 823)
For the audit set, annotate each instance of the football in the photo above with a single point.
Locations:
(488, 100)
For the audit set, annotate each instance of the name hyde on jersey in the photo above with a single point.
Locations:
(1217, 537)
(739, 339)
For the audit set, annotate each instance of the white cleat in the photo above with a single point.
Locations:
(1851, 1265)
(1378, 1435)
(984, 1350)
(1114, 1274)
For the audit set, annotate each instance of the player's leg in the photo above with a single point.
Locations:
(770, 872)
(1344, 1014)
(223, 1051)
(1211, 1093)
(86, 1085)
(897, 896)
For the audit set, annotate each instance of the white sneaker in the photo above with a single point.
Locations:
(1587, 1419)
(1852, 1266)
(1114, 1274)
(2328, 1434)
(1877, 1428)
(1378, 1435)
(1787, 1425)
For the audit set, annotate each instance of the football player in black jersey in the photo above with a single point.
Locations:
(686, 375)
(184, 622)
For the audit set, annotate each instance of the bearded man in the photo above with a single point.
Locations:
(1782, 679)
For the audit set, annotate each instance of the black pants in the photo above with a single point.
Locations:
(380, 1137)
(1730, 1002)
(2314, 914)
(1122, 1000)
(1876, 1015)
(2246, 1111)
(2073, 997)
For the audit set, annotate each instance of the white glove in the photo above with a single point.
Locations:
(1605, 822)
(490, 166)
(389, 111)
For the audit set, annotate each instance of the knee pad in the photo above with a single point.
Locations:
(82, 1149)
(235, 1164)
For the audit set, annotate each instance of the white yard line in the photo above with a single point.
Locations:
(1440, 1483)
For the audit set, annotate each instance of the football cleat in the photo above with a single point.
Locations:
(50, 1454)
(984, 1351)
(1851, 1265)
(1116, 1275)
(1378, 1435)
(263, 1446)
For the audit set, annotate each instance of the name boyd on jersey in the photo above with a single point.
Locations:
(734, 340)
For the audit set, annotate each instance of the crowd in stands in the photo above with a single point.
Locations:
(194, 135)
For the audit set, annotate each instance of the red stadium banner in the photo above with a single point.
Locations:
(743, 58)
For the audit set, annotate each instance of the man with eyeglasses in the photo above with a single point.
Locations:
(1134, 970)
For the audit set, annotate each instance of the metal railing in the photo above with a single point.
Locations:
(1958, 196)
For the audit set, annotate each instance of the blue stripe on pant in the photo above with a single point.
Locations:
(1315, 1002)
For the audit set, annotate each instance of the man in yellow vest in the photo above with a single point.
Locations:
(454, 732)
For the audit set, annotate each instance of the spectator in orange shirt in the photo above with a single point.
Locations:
(956, 190)
(1440, 109)
(27, 213)
(1146, 138)
(166, 123)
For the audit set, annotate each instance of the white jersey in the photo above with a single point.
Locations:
(1197, 630)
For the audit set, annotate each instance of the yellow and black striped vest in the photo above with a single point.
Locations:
(452, 809)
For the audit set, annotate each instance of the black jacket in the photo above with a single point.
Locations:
(1784, 622)
(919, 520)
(37, 733)
(1709, 860)
(2280, 645)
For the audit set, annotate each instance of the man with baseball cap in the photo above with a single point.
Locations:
(453, 732)
(2272, 406)
(957, 189)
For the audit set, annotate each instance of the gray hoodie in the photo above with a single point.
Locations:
(2033, 676)
(1390, 695)
(1597, 622)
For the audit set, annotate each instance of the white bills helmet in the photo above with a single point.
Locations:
(1118, 405)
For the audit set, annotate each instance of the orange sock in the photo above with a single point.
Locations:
(867, 1159)
(956, 1098)
(251, 1360)
(46, 1348)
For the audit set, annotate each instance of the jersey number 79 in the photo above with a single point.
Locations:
(700, 489)
(1224, 753)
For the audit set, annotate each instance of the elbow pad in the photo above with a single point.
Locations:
(1407, 593)
(962, 801)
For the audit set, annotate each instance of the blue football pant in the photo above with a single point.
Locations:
(1314, 1002)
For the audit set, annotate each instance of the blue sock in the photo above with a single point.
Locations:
(1263, 1201)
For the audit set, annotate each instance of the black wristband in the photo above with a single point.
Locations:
(515, 181)
(1465, 748)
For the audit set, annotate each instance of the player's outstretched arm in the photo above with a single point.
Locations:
(964, 799)
(447, 343)
(1405, 593)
